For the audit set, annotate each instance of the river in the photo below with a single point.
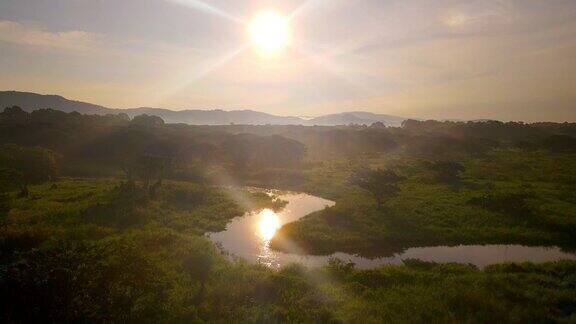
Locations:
(248, 237)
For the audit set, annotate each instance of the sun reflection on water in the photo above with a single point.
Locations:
(268, 223)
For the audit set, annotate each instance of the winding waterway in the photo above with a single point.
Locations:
(249, 236)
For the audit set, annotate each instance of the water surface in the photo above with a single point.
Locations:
(249, 236)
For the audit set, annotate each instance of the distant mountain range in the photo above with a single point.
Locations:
(33, 101)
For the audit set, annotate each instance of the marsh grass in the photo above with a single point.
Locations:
(503, 197)
(69, 258)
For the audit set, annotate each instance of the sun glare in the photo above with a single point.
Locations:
(270, 31)
(268, 224)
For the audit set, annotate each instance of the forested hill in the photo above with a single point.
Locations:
(33, 101)
(29, 101)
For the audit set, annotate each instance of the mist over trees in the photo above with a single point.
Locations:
(117, 144)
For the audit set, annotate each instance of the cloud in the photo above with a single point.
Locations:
(31, 35)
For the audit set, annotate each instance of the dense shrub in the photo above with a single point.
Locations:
(514, 204)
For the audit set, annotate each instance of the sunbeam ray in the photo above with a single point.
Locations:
(308, 6)
(202, 6)
(199, 74)
(217, 63)
(325, 62)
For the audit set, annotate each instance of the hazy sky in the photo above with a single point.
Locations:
(504, 59)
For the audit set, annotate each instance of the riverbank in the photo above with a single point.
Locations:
(507, 197)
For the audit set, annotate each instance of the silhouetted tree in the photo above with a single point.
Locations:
(146, 120)
(14, 114)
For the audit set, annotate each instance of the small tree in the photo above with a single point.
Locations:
(25, 166)
(147, 121)
(14, 115)
(383, 184)
(149, 169)
(446, 171)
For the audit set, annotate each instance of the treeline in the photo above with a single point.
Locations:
(432, 139)
(89, 145)
(114, 144)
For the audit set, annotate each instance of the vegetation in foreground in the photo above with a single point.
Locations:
(70, 259)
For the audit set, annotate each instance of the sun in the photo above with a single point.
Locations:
(270, 31)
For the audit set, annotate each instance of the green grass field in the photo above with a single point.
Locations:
(427, 212)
